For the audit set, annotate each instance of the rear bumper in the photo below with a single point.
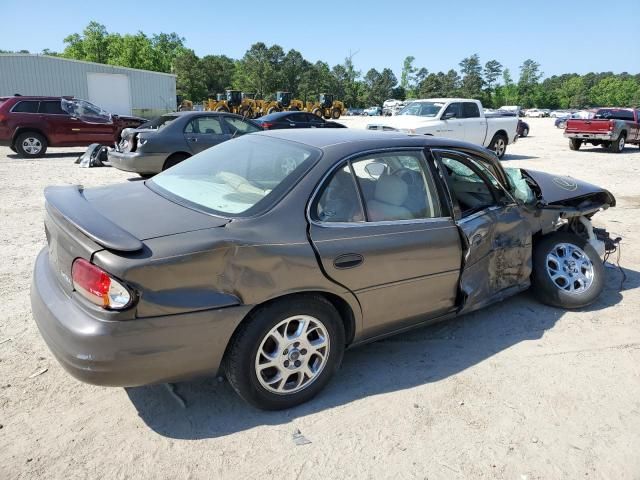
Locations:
(128, 353)
(137, 162)
(589, 136)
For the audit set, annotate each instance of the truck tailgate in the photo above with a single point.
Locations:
(589, 126)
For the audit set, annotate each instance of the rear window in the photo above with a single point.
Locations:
(51, 107)
(25, 106)
(612, 114)
(240, 177)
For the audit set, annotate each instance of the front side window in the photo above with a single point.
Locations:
(240, 127)
(454, 109)
(466, 185)
(422, 109)
(243, 176)
(85, 111)
(25, 107)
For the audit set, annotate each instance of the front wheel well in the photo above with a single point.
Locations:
(502, 133)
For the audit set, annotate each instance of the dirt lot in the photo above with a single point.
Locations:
(518, 391)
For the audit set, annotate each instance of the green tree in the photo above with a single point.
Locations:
(219, 71)
(408, 71)
(191, 81)
(530, 74)
(293, 67)
(92, 45)
(471, 70)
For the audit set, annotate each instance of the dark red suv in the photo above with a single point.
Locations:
(28, 125)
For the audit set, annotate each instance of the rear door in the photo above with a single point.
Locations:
(497, 239)
(204, 131)
(380, 229)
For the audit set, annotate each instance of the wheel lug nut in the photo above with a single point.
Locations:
(285, 352)
(297, 363)
(297, 344)
(303, 351)
(286, 363)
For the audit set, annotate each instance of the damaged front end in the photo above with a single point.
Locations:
(564, 203)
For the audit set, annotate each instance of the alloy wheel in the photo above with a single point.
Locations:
(292, 355)
(31, 145)
(569, 268)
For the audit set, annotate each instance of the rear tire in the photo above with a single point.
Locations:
(267, 356)
(525, 132)
(575, 144)
(499, 145)
(317, 112)
(31, 145)
(222, 109)
(617, 146)
(548, 259)
(335, 113)
(173, 160)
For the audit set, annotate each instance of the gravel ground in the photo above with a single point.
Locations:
(518, 390)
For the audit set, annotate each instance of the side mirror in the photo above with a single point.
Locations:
(448, 115)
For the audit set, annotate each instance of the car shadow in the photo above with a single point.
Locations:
(513, 156)
(422, 356)
(627, 150)
(46, 156)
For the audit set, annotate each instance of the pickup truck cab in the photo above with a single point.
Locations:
(612, 128)
(455, 118)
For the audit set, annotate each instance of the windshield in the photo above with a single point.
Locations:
(159, 123)
(85, 111)
(422, 109)
(243, 176)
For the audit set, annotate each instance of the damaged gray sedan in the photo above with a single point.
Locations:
(265, 257)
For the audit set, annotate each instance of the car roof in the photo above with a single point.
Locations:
(277, 115)
(25, 97)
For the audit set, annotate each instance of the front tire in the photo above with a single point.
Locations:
(567, 271)
(525, 132)
(31, 145)
(575, 144)
(285, 352)
(499, 145)
(335, 114)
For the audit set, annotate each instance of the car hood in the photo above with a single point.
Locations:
(558, 189)
(130, 118)
(144, 214)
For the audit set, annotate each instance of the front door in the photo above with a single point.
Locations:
(381, 229)
(497, 239)
(203, 132)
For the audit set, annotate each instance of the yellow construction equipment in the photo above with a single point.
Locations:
(327, 107)
(233, 101)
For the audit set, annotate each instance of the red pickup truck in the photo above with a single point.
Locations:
(613, 128)
(28, 125)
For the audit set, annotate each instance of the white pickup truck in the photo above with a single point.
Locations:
(457, 118)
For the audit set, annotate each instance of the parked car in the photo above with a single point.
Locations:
(612, 128)
(30, 125)
(174, 137)
(560, 113)
(371, 111)
(456, 118)
(264, 257)
(279, 120)
(561, 122)
(523, 128)
(535, 113)
(351, 112)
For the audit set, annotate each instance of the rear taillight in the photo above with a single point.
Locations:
(98, 287)
(611, 124)
(3, 118)
(267, 125)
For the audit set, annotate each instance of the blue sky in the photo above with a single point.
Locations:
(563, 35)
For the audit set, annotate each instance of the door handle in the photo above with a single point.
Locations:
(193, 139)
(348, 260)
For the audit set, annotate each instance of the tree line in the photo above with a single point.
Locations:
(265, 69)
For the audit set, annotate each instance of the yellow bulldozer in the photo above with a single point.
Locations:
(232, 101)
(327, 107)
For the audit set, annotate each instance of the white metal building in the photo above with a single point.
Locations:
(120, 90)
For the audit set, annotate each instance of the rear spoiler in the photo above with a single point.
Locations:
(69, 204)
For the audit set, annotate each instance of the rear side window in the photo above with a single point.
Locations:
(25, 107)
(339, 201)
(51, 108)
(470, 110)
